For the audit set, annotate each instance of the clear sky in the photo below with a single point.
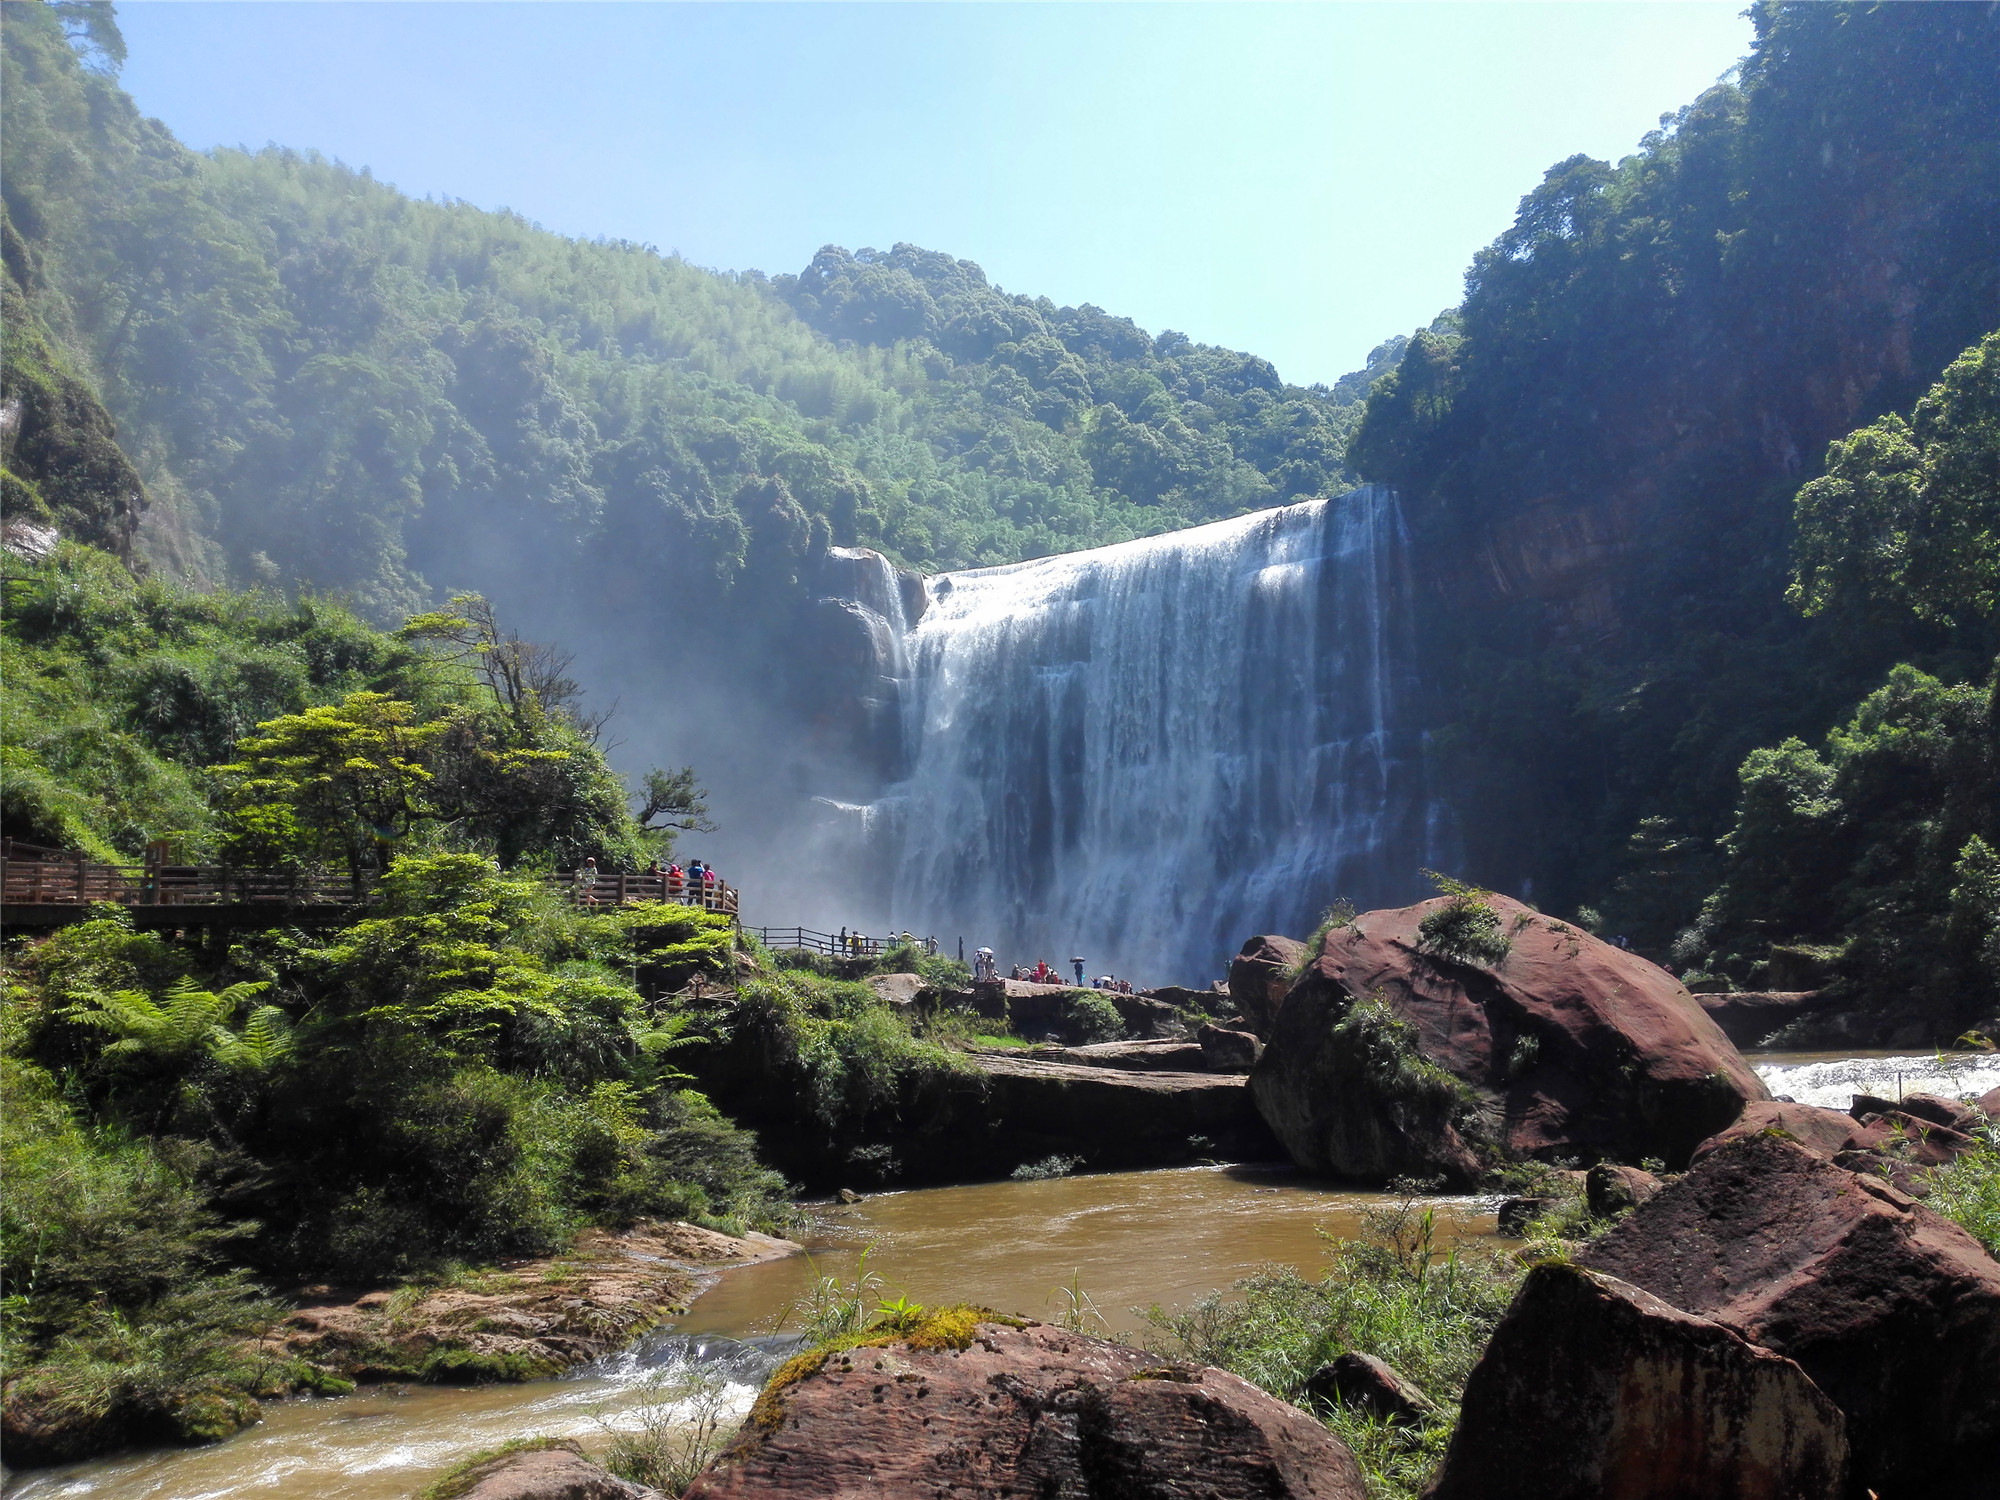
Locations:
(1296, 180)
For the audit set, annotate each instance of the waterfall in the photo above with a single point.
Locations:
(1147, 752)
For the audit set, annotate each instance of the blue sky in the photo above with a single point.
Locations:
(1296, 180)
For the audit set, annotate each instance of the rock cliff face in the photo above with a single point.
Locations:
(1006, 1407)
(1566, 1046)
(848, 657)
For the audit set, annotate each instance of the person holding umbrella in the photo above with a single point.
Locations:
(1079, 971)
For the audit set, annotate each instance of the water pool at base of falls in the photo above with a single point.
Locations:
(1129, 1239)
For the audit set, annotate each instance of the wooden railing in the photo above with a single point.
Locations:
(836, 944)
(622, 888)
(34, 877)
(52, 882)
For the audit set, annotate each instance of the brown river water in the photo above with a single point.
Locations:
(1130, 1240)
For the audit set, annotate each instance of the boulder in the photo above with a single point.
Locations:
(1115, 1119)
(1895, 1145)
(1516, 1214)
(1145, 1016)
(1143, 1056)
(1892, 1310)
(1990, 1102)
(1591, 1388)
(899, 990)
(1611, 1189)
(1260, 976)
(556, 1473)
(1180, 997)
(1926, 1109)
(1225, 1051)
(1567, 1046)
(1824, 1132)
(1747, 1018)
(1368, 1384)
(1016, 1408)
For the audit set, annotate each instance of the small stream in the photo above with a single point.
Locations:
(1130, 1240)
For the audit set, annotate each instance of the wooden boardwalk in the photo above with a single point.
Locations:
(50, 887)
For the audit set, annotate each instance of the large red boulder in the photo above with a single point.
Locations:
(1892, 1310)
(1824, 1132)
(1566, 1046)
(1023, 1409)
(1875, 1137)
(1592, 1388)
(1259, 977)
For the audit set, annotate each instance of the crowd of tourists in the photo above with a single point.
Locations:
(986, 970)
(698, 884)
(857, 944)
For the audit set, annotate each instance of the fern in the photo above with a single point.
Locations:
(188, 1021)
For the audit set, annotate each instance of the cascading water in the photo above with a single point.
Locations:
(1147, 752)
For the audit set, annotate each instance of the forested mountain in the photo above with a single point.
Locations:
(324, 381)
(1599, 450)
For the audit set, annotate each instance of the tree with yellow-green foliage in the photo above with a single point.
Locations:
(1906, 519)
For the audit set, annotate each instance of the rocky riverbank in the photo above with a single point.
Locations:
(522, 1320)
(513, 1322)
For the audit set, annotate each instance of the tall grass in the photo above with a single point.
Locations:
(1394, 1295)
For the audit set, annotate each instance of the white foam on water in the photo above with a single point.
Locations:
(1146, 752)
(1833, 1084)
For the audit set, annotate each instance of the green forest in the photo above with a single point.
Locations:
(1707, 462)
(327, 383)
(1703, 481)
(1664, 466)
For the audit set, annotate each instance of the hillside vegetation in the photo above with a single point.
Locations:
(325, 382)
(1600, 451)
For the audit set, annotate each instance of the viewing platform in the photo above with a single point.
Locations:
(51, 887)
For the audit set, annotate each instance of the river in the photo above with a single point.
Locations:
(1127, 1240)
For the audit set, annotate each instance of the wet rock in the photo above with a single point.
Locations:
(1145, 1056)
(1928, 1109)
(1146, 1017)
(1592, 1388)
(535, 1318)
(1181, 997)
(1516, 1214)
(1611, 1189)
(1567, 1046)
(1115, 1118)
(1372, 1385)
(1747, 1018)
(558, 1473)
(1225, 1051)
(1259, 978)
(1990, 1102)
(1892, 1310)
(1024, 1410)
(848, 1195)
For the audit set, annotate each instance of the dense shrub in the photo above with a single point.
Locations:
(1395, 1294)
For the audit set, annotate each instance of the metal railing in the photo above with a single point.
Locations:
(838, 944)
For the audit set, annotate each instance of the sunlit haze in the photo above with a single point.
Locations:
(1298, 181)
